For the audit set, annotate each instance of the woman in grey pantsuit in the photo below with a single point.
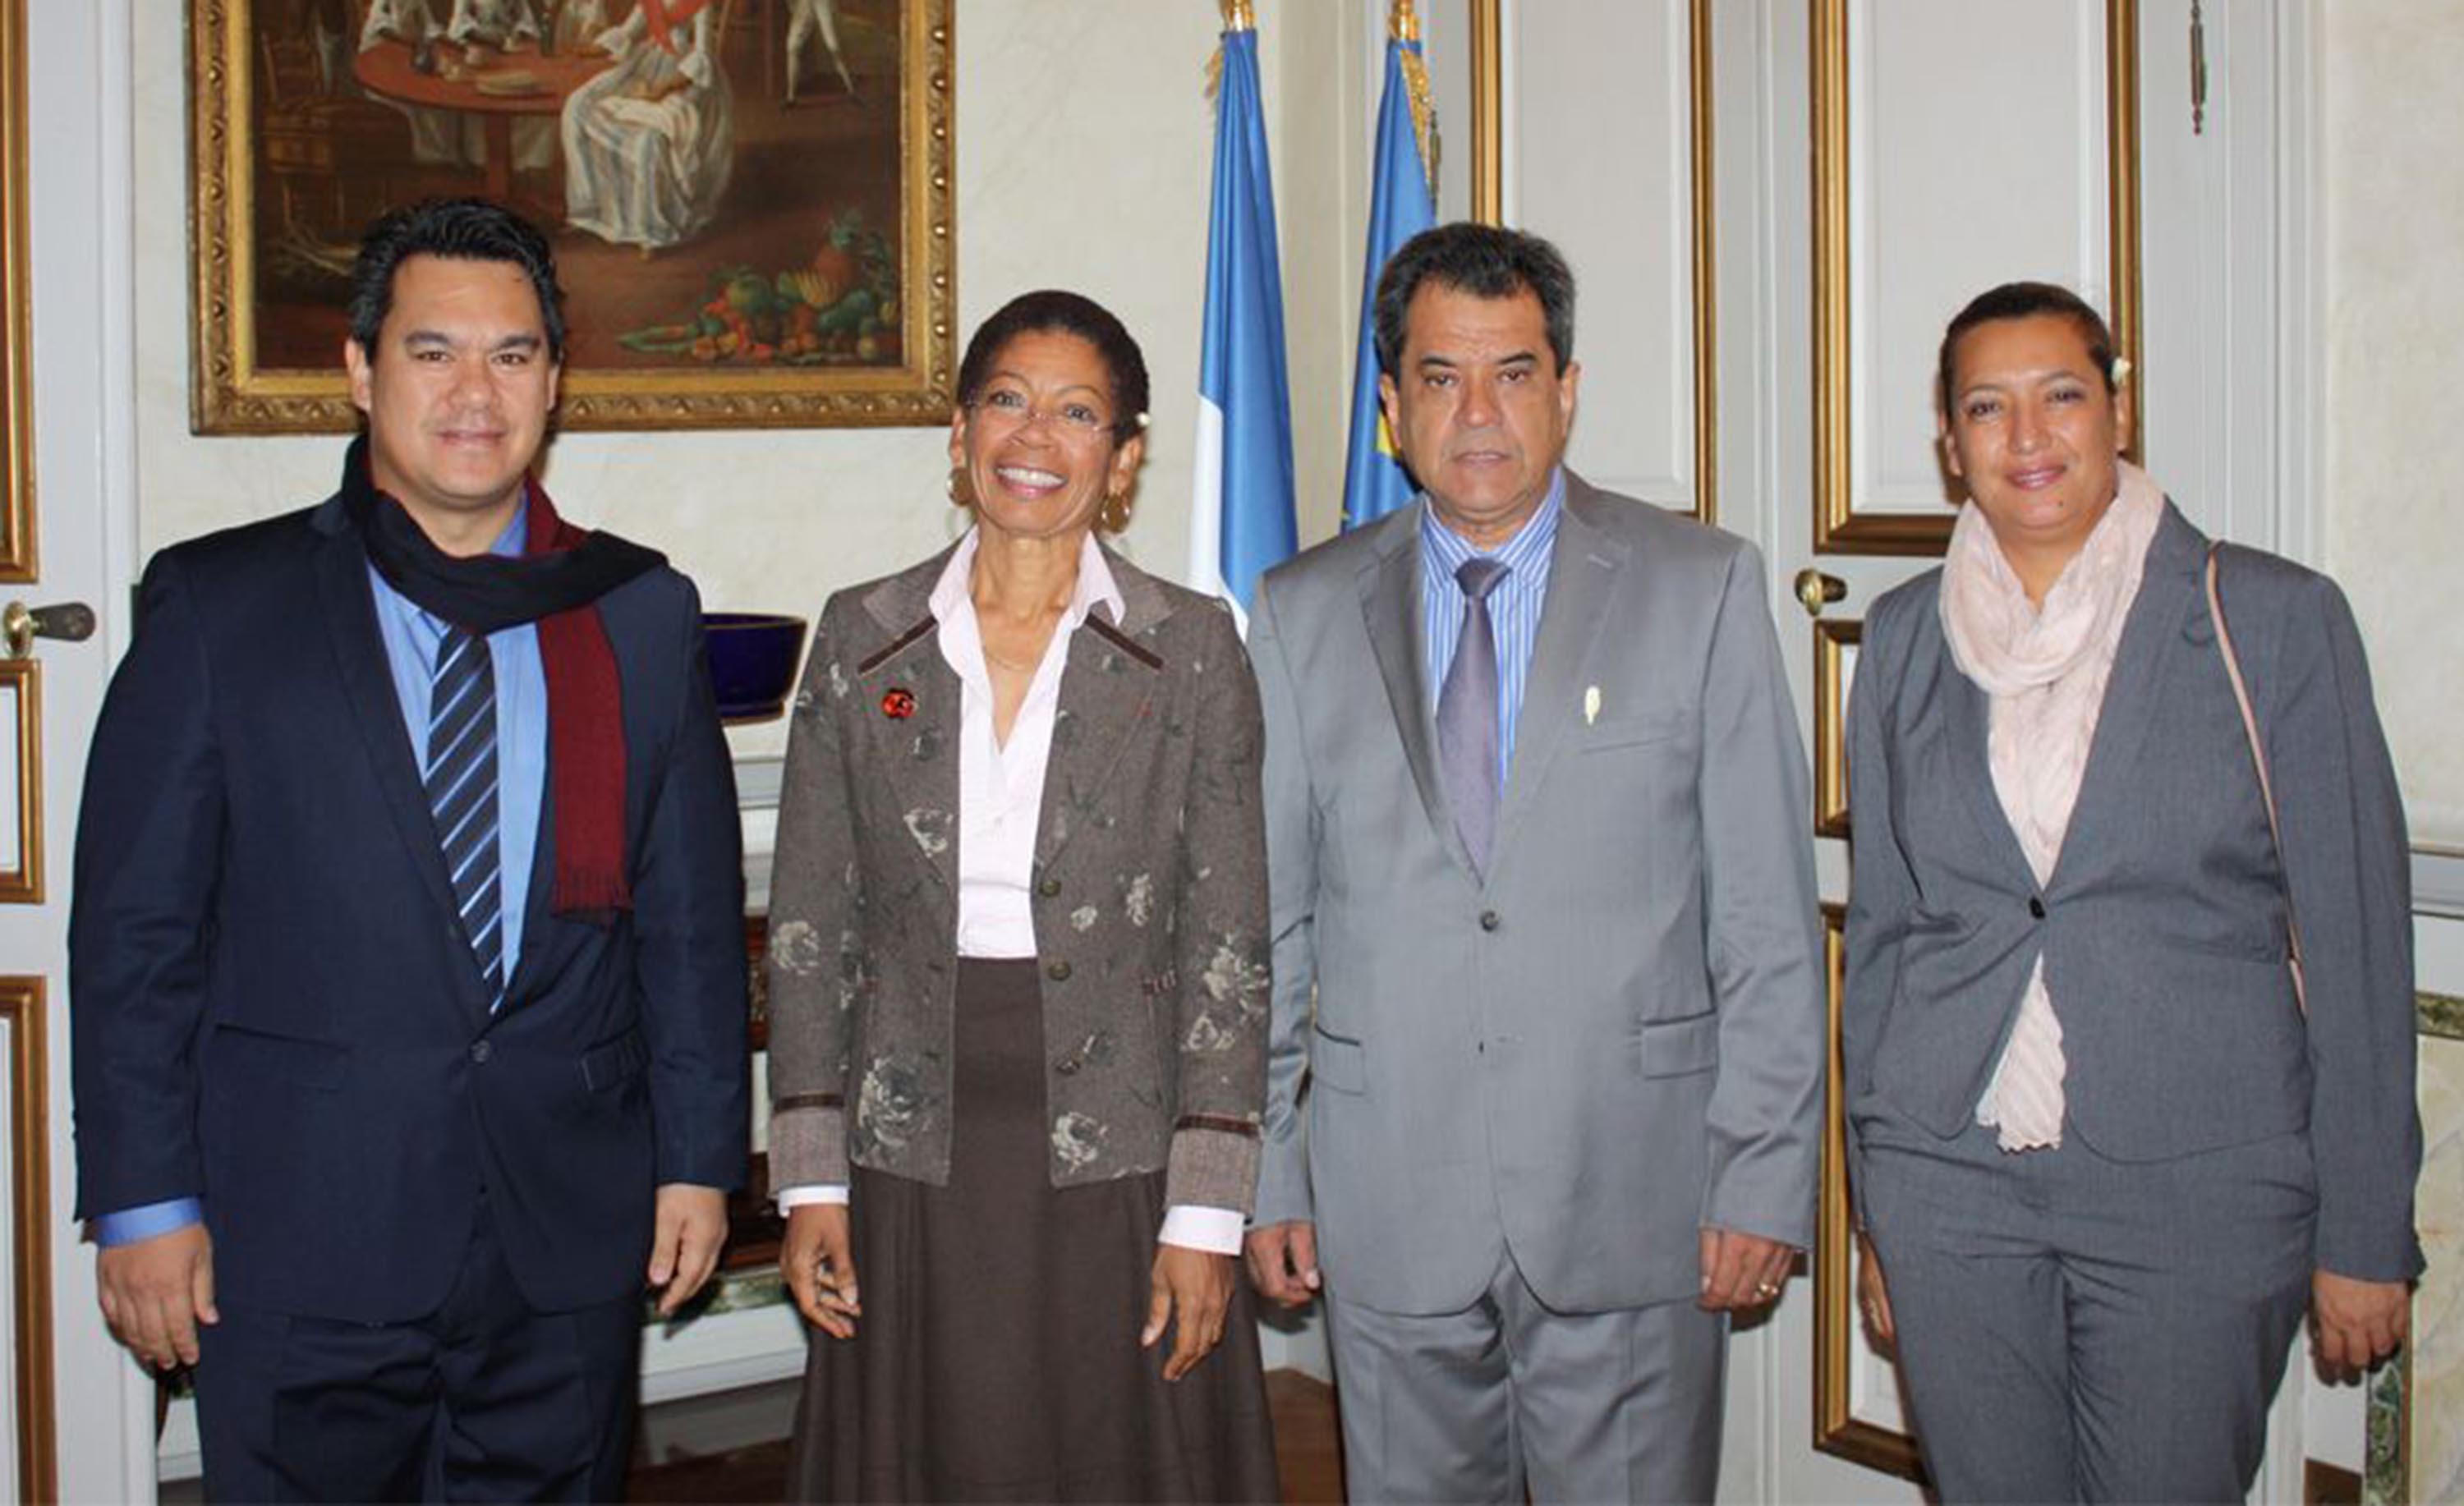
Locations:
(2103, 1152)
(1018, 983)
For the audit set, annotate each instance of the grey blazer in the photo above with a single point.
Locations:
(2163, 930)
(1150, 899)
(1616, 1037)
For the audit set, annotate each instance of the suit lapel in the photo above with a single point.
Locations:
(1584, 566)
(359, 658)
(2154, 630)
(916, 752)
(1108, 689)
(1390, 599)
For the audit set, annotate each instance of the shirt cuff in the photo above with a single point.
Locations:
(129, 1225)
(1216, 1231)
(812, 1192)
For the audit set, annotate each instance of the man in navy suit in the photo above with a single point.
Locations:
(406, 979)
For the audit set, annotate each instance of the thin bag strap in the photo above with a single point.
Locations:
(2258, 760)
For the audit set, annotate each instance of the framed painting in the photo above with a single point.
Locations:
(750, 201)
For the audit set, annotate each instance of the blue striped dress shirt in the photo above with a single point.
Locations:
(1515, 606)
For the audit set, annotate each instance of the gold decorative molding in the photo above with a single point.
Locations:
(18, 539)
(229, 393)
(2439, 1013)
(22, 679)
(2121, 191)
(1837, 527)
(1488, 113)
(1832, 643)
(1837, 1428)
(29, 1185)
(1706, 272)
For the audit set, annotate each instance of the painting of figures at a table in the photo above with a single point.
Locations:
(721, 178)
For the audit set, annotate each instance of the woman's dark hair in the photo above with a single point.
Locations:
(2024, 301)
(1053, 310)
(457, 229)
(1486, 261)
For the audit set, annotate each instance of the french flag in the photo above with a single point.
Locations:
(1242, 517)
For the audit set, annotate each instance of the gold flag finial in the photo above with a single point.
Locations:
(1403, 27)
(1239, 15)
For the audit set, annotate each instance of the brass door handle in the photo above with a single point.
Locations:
(20, 624)
(1817, 590)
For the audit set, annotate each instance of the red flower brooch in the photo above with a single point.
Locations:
(898, 703)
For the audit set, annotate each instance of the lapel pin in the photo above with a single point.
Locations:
(898, 703)
(1591, 704)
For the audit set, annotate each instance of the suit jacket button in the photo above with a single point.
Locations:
(2035, 906)
(1048, 888)
(1058, 972)
(481, 1051)
(1489, 920)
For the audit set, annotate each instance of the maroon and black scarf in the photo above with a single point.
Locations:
(557, 582)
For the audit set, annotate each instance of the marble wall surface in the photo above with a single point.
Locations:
(2392, 190)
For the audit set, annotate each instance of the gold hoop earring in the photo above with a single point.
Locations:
(1115, 516)
(961, 490)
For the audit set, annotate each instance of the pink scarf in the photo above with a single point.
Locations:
(2045, 672)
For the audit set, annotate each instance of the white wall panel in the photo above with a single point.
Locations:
(1977, 155)
(1600, 106)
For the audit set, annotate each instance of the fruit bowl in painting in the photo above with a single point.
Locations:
(752, 662)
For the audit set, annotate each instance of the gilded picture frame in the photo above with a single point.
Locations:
(800, 274)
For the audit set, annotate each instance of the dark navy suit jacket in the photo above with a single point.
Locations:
(275, 1007)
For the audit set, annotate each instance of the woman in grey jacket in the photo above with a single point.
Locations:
(2103, 1152)
(1018, 983)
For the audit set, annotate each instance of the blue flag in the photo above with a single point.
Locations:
(1242, 517)
(1400, 207)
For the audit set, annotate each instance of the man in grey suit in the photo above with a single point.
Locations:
(1546, 940)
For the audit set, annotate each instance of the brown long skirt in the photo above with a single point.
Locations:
(998, 1356)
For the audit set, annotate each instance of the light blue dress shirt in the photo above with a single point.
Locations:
(1515, 606)
(410, 637)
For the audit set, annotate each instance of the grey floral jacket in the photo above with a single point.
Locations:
(1150, 899)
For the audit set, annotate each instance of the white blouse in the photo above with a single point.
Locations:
(1000, 787)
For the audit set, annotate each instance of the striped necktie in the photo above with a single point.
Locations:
(462, 793)
(1467, 712)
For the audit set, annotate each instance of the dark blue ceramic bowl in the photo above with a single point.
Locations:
(752, 662)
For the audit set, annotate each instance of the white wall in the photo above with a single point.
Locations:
(1083, 144)
(2393, 506)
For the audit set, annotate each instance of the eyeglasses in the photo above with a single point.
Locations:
(1006, 408)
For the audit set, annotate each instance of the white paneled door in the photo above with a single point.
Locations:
(79, 1414)
(1772, 209)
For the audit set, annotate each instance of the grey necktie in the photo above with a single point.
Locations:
(1467, 712)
